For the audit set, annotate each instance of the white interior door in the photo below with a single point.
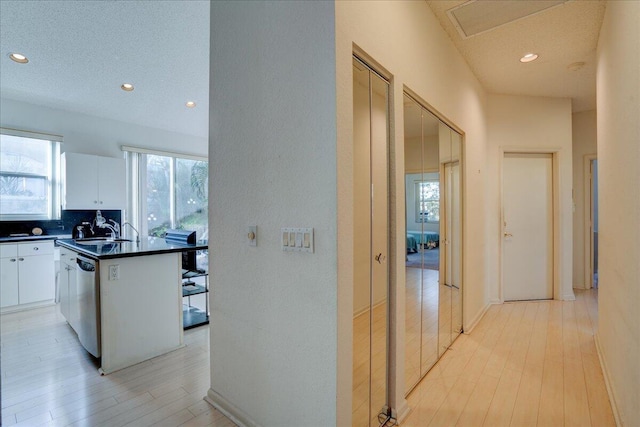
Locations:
(527, 250)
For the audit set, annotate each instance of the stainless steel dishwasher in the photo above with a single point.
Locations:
(88, 304)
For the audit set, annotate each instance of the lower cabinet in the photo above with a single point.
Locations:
(27, 274)
(9, 281)
(68, 288)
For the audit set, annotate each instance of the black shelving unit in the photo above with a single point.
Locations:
(193, 316)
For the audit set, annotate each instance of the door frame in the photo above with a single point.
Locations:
(555, 168)
(588, 208)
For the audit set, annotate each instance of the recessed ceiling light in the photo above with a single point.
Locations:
(190, 104)
(19, 58)
(529, 57)
(127, 87)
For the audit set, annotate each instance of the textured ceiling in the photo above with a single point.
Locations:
(561, 36)
(80, 53)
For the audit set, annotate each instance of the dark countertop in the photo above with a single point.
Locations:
(18, 239)
(110, 250)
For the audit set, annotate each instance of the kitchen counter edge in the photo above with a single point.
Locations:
(158, 246)
(21, 239)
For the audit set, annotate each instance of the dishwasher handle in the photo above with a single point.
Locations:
(86, 264)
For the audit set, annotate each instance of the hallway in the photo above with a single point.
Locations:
(524, 364)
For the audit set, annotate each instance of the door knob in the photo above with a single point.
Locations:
(380, 258)
(508, 234)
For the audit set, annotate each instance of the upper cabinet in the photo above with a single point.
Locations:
(93, 182)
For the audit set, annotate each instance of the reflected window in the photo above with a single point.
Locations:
(428, 201)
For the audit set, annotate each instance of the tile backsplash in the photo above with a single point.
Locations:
(64, 225)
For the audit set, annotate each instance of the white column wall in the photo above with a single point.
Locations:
(272, 153)
(618, 94)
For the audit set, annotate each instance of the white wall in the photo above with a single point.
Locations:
(527, 123)
(94, 135)
(584, 143)
(272, 154)
(618, 95)
(405, 40)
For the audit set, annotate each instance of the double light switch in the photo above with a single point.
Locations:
(297, 239)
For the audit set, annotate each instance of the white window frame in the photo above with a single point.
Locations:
(52, 178)
(136, 159)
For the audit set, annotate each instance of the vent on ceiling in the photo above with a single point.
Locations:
(478, 16)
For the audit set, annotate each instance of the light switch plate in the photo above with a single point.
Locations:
(297, 239)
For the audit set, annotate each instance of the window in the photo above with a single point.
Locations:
(28, 175)
(168, 191)
(428, 201)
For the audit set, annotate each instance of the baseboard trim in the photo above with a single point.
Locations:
(476, 320)
(607, 381)
(569, 297)
(402, 411)
(229, 410)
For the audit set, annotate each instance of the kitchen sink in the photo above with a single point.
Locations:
(99, 241)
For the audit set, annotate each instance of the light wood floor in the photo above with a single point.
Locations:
(49, 380)
(525, 364)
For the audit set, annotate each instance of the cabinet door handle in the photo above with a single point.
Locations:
(100, 201)
(95, 202)
(12, 260)
(20, 259)
(35, 248)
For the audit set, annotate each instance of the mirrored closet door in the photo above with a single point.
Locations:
(433, 316)
(371, 225)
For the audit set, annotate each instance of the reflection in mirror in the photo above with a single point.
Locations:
(433, 287)
(444, 323)
(379, 245)
(413, 284)
(362, 271)
(371, 281)
(451, 279)
(422, 194)
(455, 212)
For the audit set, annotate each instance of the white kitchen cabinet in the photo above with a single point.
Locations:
(93, 182)
(8, 281)
(68, 287)
(27, 274)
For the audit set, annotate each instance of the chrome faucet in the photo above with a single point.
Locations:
(134, 229)
(115, 228)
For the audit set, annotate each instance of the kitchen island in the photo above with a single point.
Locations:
(137, 298)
